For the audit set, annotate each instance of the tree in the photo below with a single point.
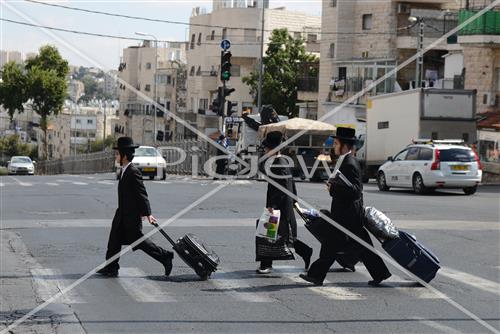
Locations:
(47, 85)
(12, 145)
(284, 64)
(13, 89)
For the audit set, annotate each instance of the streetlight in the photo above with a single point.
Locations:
(420, 45)
(154, 80)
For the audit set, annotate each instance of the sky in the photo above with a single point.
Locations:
(104, 52)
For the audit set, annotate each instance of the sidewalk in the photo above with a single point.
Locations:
(18, 294)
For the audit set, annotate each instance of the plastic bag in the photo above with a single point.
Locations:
(379, 224)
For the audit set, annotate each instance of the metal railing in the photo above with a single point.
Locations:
(100, 162)
(196, 153)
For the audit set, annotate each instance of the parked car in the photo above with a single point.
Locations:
(149, 161)
(435, 164)
(21, 165)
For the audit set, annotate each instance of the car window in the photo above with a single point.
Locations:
(456, 155)
(401, 156)
(21, 160)
(145, 152)
(412, 153)
(425, 154)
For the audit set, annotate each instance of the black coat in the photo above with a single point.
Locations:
(133, 204)
(278, 200)
(347, 202)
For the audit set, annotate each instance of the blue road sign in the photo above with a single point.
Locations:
(225, 44)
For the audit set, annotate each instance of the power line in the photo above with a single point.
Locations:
(142, 18)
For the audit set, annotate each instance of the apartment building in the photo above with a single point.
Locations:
(363, 41)
(243, 22)
(138, 69)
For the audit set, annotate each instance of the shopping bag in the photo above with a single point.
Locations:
(268, 250)
(267, 226)
(379, 224)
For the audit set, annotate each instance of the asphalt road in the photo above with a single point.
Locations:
(55, 229)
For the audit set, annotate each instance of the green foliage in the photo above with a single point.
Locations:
(283, 65)
(47, 87)
(13, 89)
(97, 145)
(12, 145)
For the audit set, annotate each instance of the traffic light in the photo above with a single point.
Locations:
(230, 106)
(225, 65)
(217, 107)
(225, 92)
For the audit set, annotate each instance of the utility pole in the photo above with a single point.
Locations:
(104, 129)
(420, 58)
(261, 64)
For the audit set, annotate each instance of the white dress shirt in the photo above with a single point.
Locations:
(124, 168)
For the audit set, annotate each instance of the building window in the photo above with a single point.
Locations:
(465, 137)
(147, 88)
(148, 66)
(297, 35)
(198, 72)
(342, 73)
(78, 121)
(89, 121)
(224, 33)
(212, 36)
(236, 70)
(203, 104)
(191, 72)
(199, 39)
(332, 50)
(312, 38)
(367, 21)
(193, 38)
(383, 125)
(434, 136)
(169, 79)
(250, 35)
(333, 3)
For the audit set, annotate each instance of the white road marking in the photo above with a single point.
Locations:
(135, 283)
(436, 325)
(80, 183)
(64, 181)
(52, 184)
(23, 184)
(108, 183)
(327, 291)
(2, 184)
(471, 280)
(231, 283)
(49, 282)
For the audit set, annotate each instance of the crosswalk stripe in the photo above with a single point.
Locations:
(108, 183)
(402, 285)
(80, 183)
(2, 184)
(231, 283)
(22, 184)
(135, 283)
(471, 280)
(52, 184)
(49, 282)
(327, 291)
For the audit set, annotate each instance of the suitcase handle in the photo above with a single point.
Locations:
(164, 234)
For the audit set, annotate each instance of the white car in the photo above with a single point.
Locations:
(425, 167)
(149, 161)
(21, 165)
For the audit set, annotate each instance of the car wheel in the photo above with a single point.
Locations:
(418, 184)
(381, 182)
(470, 190)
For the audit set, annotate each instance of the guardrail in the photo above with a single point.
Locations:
(100, 162)
(187, 157)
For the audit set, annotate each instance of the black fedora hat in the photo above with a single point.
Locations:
(125, 143)
(346, 135)
(273, 139)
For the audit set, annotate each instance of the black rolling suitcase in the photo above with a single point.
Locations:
(325, 233)
(196, 255)
(412, 255)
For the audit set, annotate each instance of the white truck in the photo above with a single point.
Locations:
(394, 120)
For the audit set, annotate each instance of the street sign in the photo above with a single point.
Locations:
(225, 44)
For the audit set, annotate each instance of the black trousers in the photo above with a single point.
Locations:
(373, 263)
(302, 249)
(147, 246)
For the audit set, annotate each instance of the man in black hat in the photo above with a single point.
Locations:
(133, 207)
(347, 210)
(278, 200)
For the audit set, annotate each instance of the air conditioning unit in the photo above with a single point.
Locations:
(404, 8)
(489, 99)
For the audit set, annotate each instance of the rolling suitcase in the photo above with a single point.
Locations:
(412, 255)
(196, 255)
(324, 232)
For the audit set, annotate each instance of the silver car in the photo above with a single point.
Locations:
(21, 165)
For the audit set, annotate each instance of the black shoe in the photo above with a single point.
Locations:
(310, 279)
(376, 282)
(167, 263)
(108, 272)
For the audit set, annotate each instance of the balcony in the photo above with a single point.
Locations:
(483, 30)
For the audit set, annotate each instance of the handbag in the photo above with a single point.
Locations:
(266, 249)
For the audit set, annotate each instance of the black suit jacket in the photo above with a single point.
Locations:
(133, 204)
(347, 201)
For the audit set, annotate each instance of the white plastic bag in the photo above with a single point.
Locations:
(268, 225)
